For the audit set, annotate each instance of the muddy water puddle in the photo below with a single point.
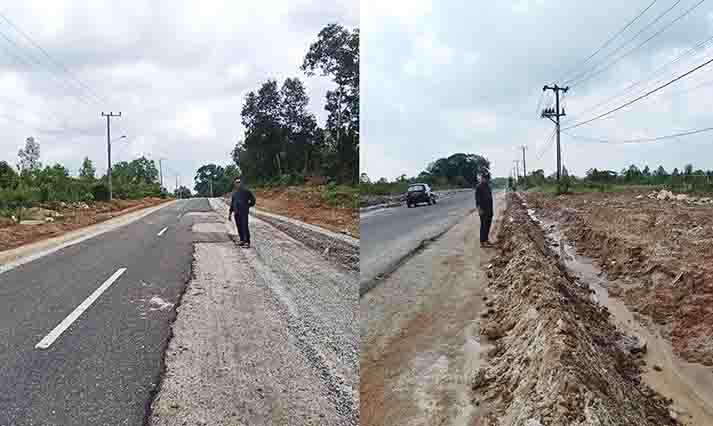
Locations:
(689, 385)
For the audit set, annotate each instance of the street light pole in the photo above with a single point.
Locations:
(108, 148)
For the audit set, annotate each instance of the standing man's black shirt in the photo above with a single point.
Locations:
(484, 198)
(241, 201)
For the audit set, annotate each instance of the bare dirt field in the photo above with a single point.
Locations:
(64, 218)
(308, 204)
(658, 253)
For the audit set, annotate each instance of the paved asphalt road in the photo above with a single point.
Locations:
(102, 370)
(388, 235)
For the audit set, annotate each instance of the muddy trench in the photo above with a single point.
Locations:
(558, 355)
(687, 386)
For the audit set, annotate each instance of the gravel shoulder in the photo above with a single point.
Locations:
(263, 336)
(420, 334)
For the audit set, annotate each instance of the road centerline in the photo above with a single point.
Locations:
(162, 231)
(47, 341)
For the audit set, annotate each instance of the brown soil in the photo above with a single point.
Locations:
(306, 204)
(14, 235)
(557, 359)
(660, 254)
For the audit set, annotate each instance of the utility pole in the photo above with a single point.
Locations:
(549, 113)
(517, 169)
(524, 168)
(108, 149)
(160, 171)
(177, 193)
(211, 187)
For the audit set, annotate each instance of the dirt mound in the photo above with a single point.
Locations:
(64, 218)
(556, 359)
(660, 254)
(318, 205)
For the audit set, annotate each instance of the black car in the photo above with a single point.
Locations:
(419, 193)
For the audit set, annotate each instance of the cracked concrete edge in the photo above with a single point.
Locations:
(11, 259)
(337, 247)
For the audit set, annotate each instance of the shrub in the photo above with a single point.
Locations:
(100, 192)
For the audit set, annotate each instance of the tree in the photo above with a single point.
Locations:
(688, 169)
(300, 126)
(364, 178)
(54, 183)
(8, 176)
(632, 173)
(212, 176)
(467, 166)
(261, 153)
(87, 172)
(30, 156)
(182, 192)
(336, 54)
(538, 177)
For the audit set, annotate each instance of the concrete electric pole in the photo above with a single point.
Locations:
(108, 149)
(524, 168)
(160, 171)
(556, 113)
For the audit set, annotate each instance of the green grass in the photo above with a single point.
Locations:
(588, 187)
(342, 196)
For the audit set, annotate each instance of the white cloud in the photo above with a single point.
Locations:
(460, 76)
(177, 70)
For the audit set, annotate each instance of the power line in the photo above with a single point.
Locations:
(609, 40)
(545, 147)
(594, 72)
(684, 91)
(25, 62)
(650, 92)
(640, 140)
(54, 61)
(665, 27)
(656, 72)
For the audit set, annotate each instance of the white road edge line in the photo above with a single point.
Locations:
(57, 331)
(162, 231)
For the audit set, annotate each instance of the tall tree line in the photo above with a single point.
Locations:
(282, 137)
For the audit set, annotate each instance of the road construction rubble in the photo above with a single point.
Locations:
(556, 359)
(659, 258)
(665, 195)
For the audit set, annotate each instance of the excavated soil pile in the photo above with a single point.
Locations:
(658, 252)
(556, 358)
(65, 218)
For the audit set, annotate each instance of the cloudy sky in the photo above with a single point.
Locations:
(440, 77)
(177, 70)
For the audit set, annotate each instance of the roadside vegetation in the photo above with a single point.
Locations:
(31, 185)
(456, 171)
(294, 166)
(687, 180)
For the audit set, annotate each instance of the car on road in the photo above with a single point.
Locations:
(418, 193)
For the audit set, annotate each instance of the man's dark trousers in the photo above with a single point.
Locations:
(486, 220)
(241, 220)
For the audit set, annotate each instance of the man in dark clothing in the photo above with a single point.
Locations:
(240, 204)
(484, 204)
